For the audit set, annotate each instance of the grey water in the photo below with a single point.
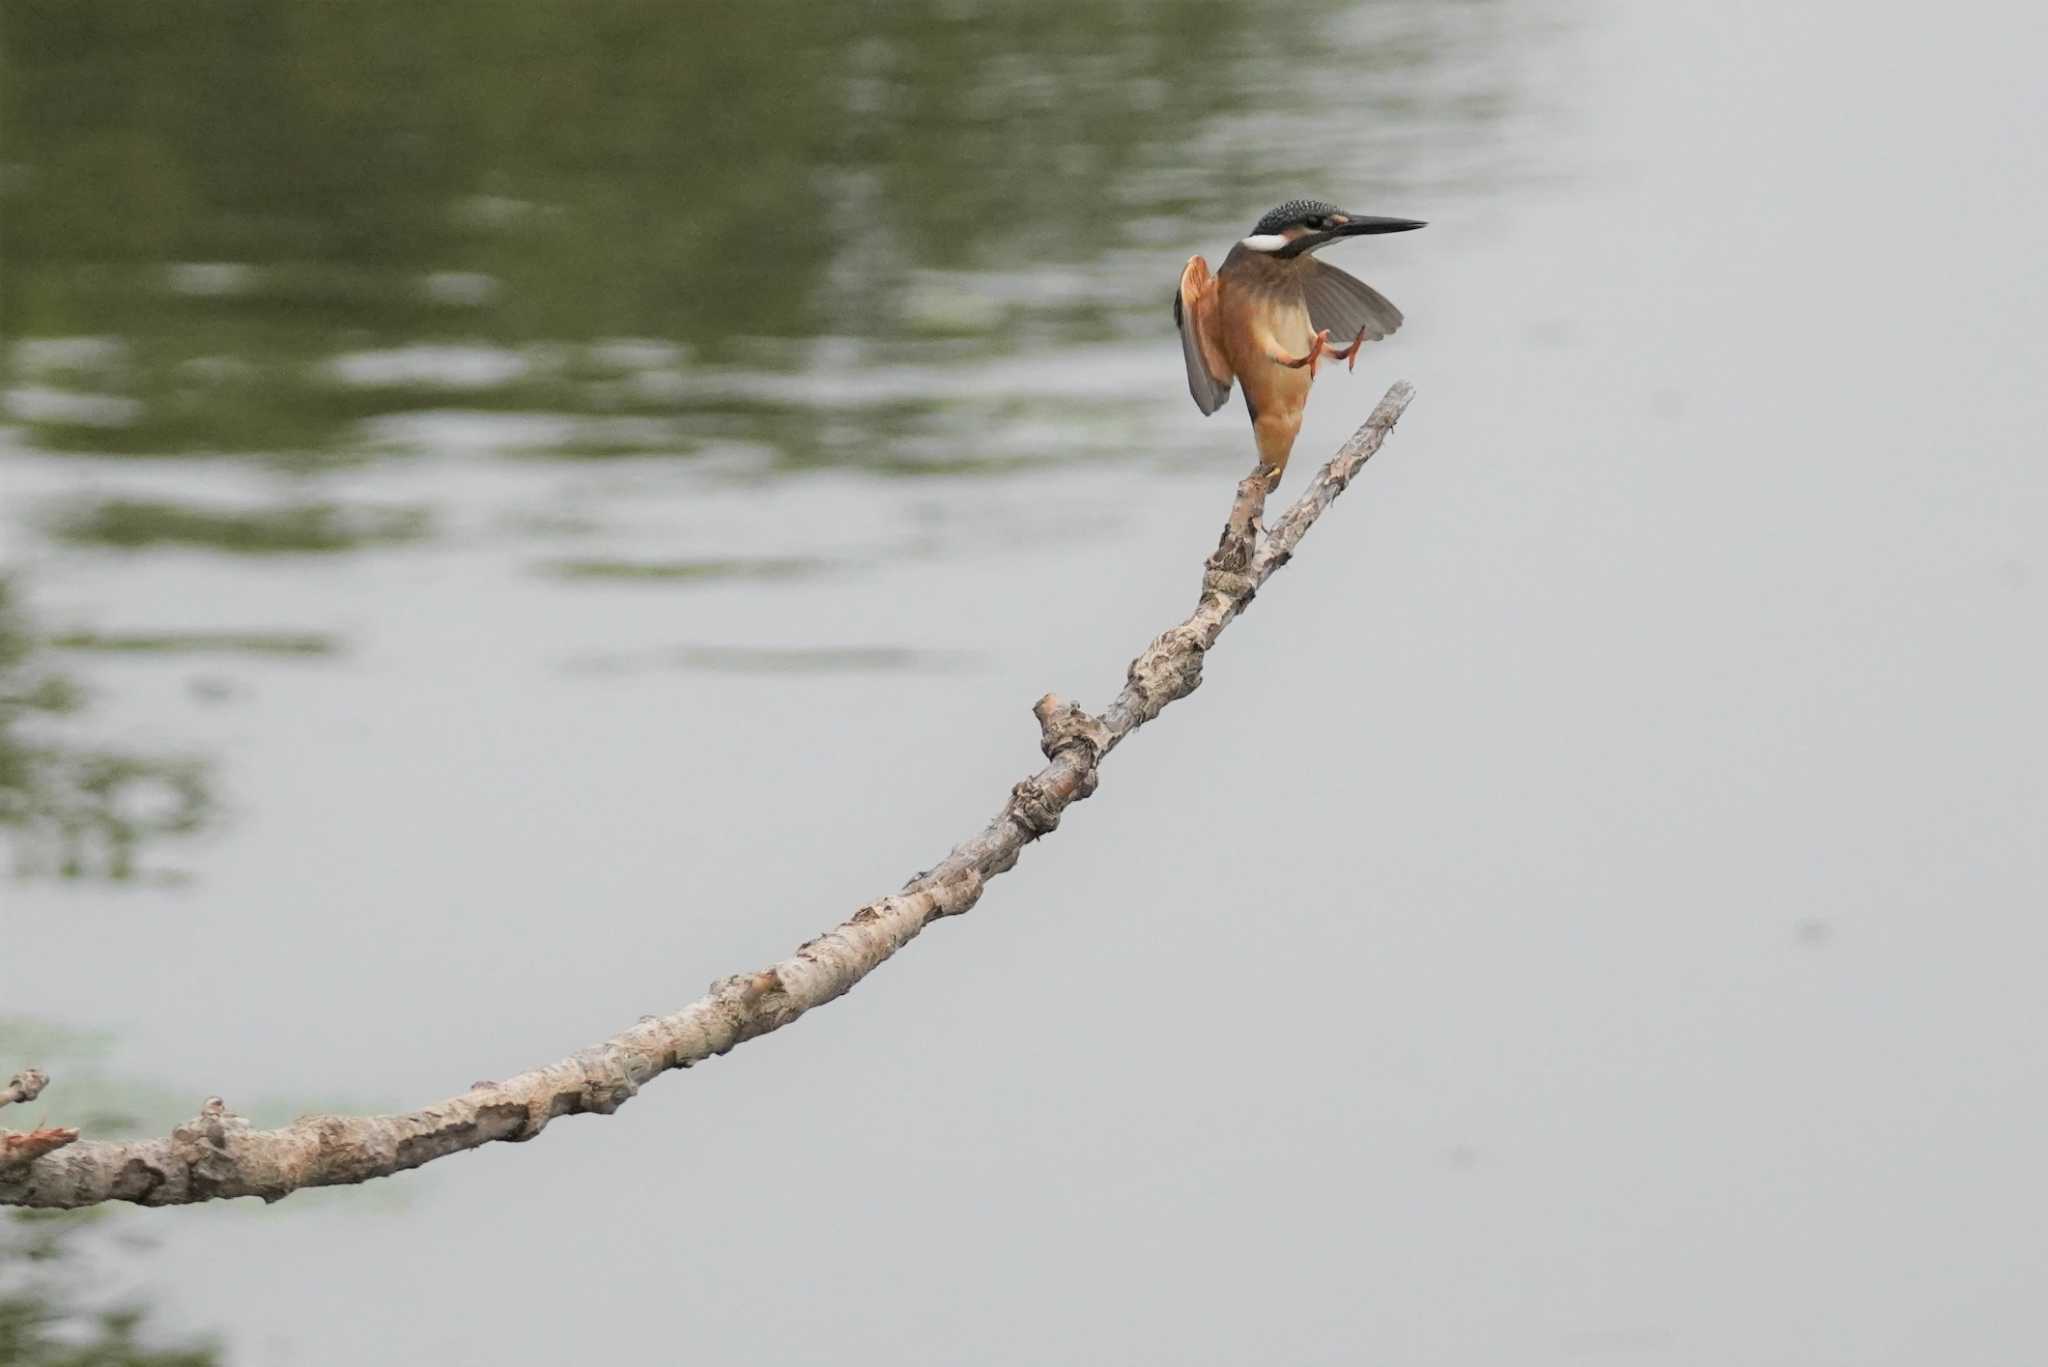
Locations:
(596, 495)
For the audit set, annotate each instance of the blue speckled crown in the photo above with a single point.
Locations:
(1293, 211)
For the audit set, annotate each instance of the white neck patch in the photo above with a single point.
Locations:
(1266, 242)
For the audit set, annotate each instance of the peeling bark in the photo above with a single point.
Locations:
(218, 1154)
(18, 1148)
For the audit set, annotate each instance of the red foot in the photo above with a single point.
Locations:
(1349, 354)
(1315, 351)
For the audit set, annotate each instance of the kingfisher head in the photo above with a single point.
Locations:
(1302, 225)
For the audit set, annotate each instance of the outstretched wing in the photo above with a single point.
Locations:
(1194, 310)
(1344, 304)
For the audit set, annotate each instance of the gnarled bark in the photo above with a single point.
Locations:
(218, 1154)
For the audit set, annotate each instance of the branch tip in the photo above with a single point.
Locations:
(25, 1085)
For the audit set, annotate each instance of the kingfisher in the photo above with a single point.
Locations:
(1267, 318)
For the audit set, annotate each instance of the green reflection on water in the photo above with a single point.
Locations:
(131, 524)
(71, 808)
(242, 219)
(47, 1261)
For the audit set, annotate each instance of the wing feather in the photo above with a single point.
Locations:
(1194, 309)
(1344, 304)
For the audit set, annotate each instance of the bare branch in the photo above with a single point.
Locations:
(218, 1154)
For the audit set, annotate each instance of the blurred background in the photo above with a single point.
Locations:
(509, 512)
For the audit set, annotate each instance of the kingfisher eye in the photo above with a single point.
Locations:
(1315, 223)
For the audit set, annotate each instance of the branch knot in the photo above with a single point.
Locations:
(1234, 586)
(1065, 726)
(1035, 808)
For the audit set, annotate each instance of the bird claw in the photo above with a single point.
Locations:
(1316, 348)
(1349, 354)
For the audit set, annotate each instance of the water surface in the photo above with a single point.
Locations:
(1588, 913)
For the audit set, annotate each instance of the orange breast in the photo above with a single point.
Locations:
(1255, 325)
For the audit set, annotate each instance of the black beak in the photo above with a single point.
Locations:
(1359, 224)
(1354, 225)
